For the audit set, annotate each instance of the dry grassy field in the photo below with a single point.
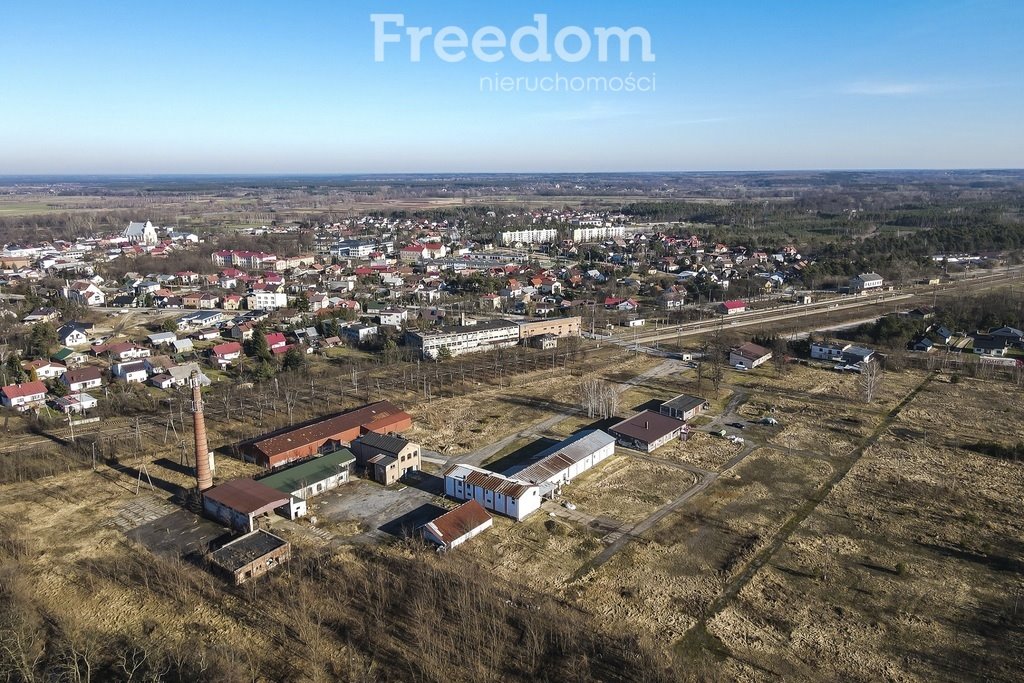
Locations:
(787, 566)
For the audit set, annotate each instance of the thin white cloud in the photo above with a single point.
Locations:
(886, 88)
(594, 112)
(711, 119)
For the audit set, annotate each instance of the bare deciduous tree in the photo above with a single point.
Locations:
(870, 381)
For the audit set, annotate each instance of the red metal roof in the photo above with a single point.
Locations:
(456, 523)
(328, 428)
(246, 496)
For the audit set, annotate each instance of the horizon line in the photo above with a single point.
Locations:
(328, 174)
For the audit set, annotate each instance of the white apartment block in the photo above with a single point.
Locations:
(598, 233)
(536, 236)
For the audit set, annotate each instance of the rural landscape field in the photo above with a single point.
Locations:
(475, 342)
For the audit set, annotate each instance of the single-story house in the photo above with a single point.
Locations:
(828, 350)
(75, 403)
(749, 356)
(162, 381)
(647, 431)
(989, 345)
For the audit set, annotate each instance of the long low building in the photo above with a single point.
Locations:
(507, 496)
(328, 434)
(310, 478)
(566, 460)
(485, 335)
(559, 327)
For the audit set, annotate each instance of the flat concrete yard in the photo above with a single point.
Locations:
(383, 511)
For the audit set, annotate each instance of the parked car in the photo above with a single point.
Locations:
(737, 425)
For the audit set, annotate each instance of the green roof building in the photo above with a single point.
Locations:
(311, 478)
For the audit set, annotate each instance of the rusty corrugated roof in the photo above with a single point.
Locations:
(328, 428)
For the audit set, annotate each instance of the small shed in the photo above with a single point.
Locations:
(457, 526)
(250, 556)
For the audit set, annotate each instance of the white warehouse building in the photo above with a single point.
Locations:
(566, 460)
(504, 495)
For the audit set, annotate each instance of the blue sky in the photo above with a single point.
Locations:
(273, 87)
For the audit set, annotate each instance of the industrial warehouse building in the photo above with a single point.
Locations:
(486, 335)
(458, 526)
(559, 327)
(684, 407)
(504, 495)
(250, 556)
(386, 457)
(479, 336)
(310, 478)
(566, 460)
(647, 431)
(240, 502)
(327, 435)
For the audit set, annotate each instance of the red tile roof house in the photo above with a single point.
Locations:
(227, 352)
(327, 434)
(276, 340)
(458, 526)
(23, 396)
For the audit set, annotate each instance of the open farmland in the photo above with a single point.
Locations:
(909, 569)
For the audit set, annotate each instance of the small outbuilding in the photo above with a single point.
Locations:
(749, 356)
(684, 407)
(250, 556)
(457, 526)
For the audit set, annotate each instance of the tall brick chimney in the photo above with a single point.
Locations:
(204, 478)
